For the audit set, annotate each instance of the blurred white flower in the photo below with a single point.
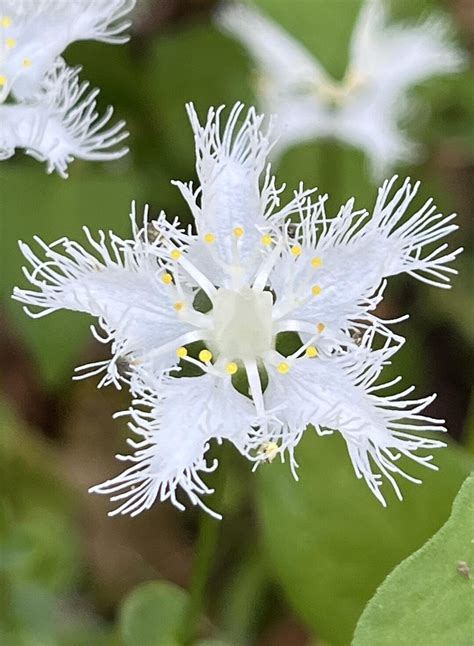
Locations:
(43, 108)
(366, 108)
(218, 301)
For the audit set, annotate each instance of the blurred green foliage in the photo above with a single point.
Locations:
(331, 543)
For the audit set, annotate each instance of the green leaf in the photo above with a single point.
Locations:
(330, 542)
(428, 599)
(152, 615)
(34, 203)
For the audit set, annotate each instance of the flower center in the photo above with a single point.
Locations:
(242, 323)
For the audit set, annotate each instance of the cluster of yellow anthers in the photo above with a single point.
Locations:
(205, 356)
(7, 43)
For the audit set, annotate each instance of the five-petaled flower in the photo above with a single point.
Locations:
(219, 300)
(366, 108)
(49, 113)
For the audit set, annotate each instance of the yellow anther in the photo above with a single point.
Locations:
(316, 262)
(311, 351)
(182, 352)
(283, 368)
(296, 250)
(27, 62)
(266, 240)
(176, 254)
(6, 21)
(178, 306)
(269, 450)
(3, 80)
(209, 238)
(205, 356)
(320, 327)
(10, 43)
(238, 232)
(231, 368)
(316, 290)
(167, 279)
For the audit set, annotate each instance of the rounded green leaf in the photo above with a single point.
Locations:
(152, 615)
(429, 598)
(329, 541)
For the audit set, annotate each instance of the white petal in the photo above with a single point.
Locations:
(338, 393)
(61, 123)
(43, 29)
(120, 282)
(184, 415)
(229, 165)
(396, 56)
(282, 58)
(356, 253)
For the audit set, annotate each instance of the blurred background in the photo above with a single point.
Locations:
(296, 562)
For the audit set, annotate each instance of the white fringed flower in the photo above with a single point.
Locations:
(61, 123)
(366, 108)
(217, 301)
(48, 112)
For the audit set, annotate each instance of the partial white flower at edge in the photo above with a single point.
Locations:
(367, 108)
(264, 268)
(43, 107)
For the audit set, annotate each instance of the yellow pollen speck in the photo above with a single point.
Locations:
(167, 279)
(238, 232)
(209, 238)
(205, 356)
(296, 250)
(6, 21)
(320, 327)
(3, 80)
(283, 368)
(231, 368)
(316, 290)
(27, 62)
(316, 262)
(176, 254)
(178, 306)
(311, 351)
(182, 352)
(10, 43)
(266, 240)
(270, 450)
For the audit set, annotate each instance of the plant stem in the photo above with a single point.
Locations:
(209, 528)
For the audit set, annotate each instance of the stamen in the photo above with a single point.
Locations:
(316, 290)
(6, 21)
(296, 250)
(3, 80)
(238, 232)
(205, 356)
(167, 279)
(27, 62)
(311, 352)
(269, 450)
(209, 238)
(316, 262)
(10, 43)
(266, 240)
(231, 368)
(182, 352)
(176, 254)
(178, 306)
(283, 368)
(320, 327)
